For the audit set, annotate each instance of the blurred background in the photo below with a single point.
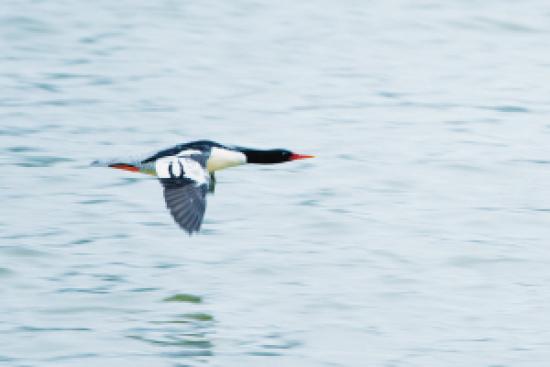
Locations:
(418, 237)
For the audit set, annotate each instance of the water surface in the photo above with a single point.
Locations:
(417, 238)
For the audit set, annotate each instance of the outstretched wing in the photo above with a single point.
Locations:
(187, 205)
(185, 180)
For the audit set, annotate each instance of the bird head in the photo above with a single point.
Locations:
(272, 156)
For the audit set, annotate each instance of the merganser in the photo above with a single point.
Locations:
(186, 172)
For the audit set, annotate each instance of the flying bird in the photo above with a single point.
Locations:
(186, 172)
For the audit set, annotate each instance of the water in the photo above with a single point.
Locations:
(417, 238)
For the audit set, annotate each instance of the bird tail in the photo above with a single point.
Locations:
(124, 164)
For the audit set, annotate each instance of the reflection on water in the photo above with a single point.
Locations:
(183, 298)
(184, 335)
(416, 238)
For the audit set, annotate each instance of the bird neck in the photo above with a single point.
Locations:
(259, 156)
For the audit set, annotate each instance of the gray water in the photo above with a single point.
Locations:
(418, 237)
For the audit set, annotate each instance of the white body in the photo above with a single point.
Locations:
(181, 165)
(219, 159)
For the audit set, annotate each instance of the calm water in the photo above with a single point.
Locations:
(419, 237)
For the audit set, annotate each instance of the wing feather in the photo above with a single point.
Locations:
(185, 181)
(187, 205)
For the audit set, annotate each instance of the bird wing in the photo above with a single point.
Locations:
(186, 181)
(203, 146)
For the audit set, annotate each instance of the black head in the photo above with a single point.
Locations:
(271, 156)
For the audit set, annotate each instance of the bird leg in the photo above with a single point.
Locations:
(212, 186)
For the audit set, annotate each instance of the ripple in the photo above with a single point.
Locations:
(42, 161)
(508, 109)
(264, 353)
(505, 25)
(68, 76)
(36, 329)
(536, 161)
(22, 251)
(144, 289)
(82, 241)
(46, 87)
(94, 201)
(25, 24)
(467, 261)
(544, 210)
(73, 356)
(22, 149)
(6, 359)
(309, 202)
(16, 131)
(98, 37)
(95, 290)
(65, 102)
(5, 272)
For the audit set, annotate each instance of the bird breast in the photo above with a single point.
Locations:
(221, 158)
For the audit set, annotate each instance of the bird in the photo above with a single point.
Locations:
(186, 173)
